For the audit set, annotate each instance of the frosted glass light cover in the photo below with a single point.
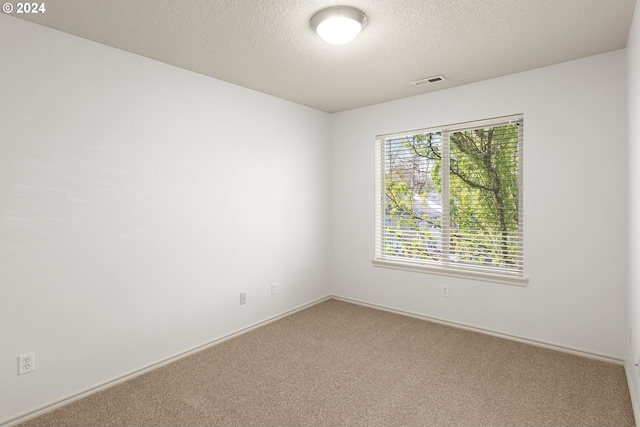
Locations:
(338, 24)
(338, 30)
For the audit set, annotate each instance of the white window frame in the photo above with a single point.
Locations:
(515, 277)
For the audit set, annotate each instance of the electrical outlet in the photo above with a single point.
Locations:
(445, 290)
(274, 288)
(243, 298)
(26, 363)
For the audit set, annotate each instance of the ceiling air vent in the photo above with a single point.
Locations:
(428, 81)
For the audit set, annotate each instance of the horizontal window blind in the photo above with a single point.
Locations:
(451, 197)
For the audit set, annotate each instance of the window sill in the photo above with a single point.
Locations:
(442, 271)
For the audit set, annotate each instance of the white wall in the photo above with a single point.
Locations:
(575, 206)
(137, 200)
(633, 58)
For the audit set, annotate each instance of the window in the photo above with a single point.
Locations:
(449, 200)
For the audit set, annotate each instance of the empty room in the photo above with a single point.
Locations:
(222, 213)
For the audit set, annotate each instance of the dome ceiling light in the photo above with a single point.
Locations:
(339, 24)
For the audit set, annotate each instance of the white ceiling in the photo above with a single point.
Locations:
(269, 46)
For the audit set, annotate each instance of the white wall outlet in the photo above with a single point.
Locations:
(445, 290)
(274, 288)
(26, 363)
(243, 298)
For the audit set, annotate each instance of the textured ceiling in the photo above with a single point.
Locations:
(269, 46)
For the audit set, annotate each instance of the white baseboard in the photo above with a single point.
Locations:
(524, 340)
(20, 418)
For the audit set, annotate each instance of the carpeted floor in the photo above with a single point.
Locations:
(340, 364)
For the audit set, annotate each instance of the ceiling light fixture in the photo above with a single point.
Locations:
(338, 24)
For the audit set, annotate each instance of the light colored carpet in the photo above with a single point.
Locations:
(340, 364)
